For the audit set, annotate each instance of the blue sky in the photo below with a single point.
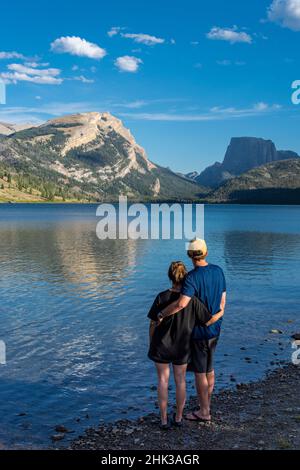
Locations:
(185, 77)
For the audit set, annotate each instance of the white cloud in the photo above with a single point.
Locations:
(214, 114)
(286, 13)
(132, 104)
(44, 111)
(139, 103)
(231, 35)
(77, 46)
(261, 106)
(142, 38)
(23, 73)
(128, 63)
(83, 79)
(34, 71)
(226, 62)
(113, 31)
(37, 64)
(11, 55)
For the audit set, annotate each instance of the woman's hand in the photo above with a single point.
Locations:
(216, 317)
(160, 318)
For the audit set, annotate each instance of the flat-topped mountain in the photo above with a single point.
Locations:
(88, 156)
(243, 154)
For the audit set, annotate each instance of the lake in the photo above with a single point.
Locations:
(73, 311)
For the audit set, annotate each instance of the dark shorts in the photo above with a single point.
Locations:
(175, 362)
(203, 351)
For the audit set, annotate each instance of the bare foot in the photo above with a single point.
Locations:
(198, 416)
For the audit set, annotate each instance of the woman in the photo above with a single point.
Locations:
(170, 341)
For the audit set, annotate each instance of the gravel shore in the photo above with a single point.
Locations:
(259, 415)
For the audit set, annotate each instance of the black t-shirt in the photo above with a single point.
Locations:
(172, 337)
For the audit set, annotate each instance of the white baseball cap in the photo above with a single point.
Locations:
(198, 246)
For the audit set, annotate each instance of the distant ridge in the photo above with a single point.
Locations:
(243, 154)
(9, 128)
(274, 183)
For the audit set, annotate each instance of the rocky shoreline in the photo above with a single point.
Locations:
(259, 415)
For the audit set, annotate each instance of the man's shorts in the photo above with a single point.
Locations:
(203, 350)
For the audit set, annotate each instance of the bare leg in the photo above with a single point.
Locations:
(163, 373)
(202, 387)
(211, 383)
(179, 376)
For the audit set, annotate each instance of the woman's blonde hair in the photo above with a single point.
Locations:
(177, 272)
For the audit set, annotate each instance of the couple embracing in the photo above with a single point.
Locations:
(185, 324)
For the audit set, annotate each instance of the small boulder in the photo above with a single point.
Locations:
(61, 428)
(57, 437)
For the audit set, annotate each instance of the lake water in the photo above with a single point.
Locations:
(73, 311)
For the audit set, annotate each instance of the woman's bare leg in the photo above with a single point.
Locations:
(163, 374)
(180, 381)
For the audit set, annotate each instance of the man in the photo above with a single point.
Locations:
(207, 282)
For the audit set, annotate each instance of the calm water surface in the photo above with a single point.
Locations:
(73, 311)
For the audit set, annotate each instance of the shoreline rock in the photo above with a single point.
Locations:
(259, 415)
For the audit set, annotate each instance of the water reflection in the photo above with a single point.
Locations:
(73, 254)
(73, 309)
(243, 250)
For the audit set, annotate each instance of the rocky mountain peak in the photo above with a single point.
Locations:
(85, 129)
(92, 155)
(242, 155)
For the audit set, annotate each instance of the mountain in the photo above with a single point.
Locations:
(274, 183)
(192, 175)
(87, 156)
(213, 176)
(9, 128)
(243, 154)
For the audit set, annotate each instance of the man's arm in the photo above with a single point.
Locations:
(183, 301)
(175, 307)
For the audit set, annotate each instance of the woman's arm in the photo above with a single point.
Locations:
(215, 318)
(221, 312)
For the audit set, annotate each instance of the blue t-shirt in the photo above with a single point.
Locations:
(208, 284)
